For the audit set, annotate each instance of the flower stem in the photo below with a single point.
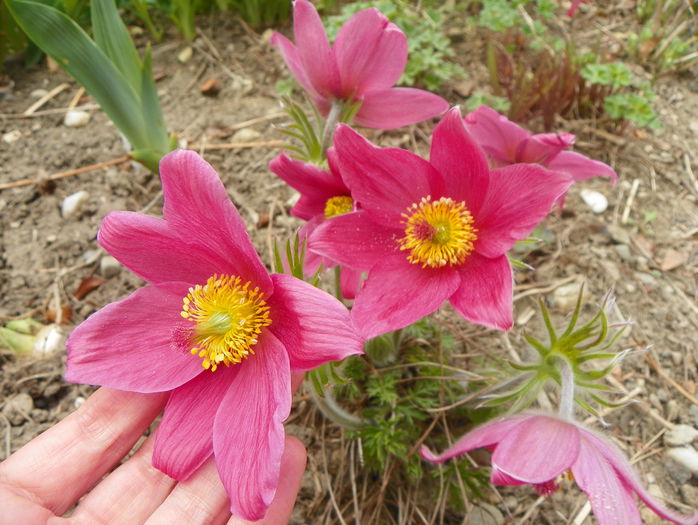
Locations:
(327, 404)
(566, 410)
(330, 125)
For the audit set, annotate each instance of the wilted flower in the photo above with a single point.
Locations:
(433, 231)
(536, 449)
(367, 59)
(575, 5)
(214, 329)
(323, 195)
(508, 143)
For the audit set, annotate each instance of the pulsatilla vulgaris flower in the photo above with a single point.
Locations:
(213, 328)
(536, 449)
(508, 143)
(368, 57)
(431, 231)
(323, 195)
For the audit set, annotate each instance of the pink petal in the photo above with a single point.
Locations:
(610, 499)
(314, 184)
(485, 435)
(518, 199)
(290, 54)
(371, 53)
(630, 480)
(525, 453)
(354, 240)
(542, 148)
(495, 134)
(580, 167)
(197, 207)
(154, 252)
(184, 438)
(248, 431)
(313, 326)
(398, 293)
(385, 182)
(396, 107)
(460, 161)
(349, 282)
(486, 292)
(314, 51)
(128, 345)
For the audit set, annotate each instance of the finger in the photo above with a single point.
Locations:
(130, 494)
(60, 465)
(292, 468)
(200, 500)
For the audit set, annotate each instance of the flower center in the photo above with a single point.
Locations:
(338, 206)
(438, 233)
(228, 317)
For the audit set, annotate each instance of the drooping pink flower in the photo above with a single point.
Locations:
(575, 5)
(323, 195)
(508, 143)
(367, 59)
(433, 231)
(535, 449)
(214, 329)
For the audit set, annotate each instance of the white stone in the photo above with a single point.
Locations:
(73, 203)
(76, 118)
(246, 135)
(12, 136)
(597, 202)
(686, 457)
(38, 93)
(49, 339)
(680, 435)
(185, 54)
(109, 267)
(565, 297)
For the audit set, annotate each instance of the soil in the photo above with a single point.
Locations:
(644, 246)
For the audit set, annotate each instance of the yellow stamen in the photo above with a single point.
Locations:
(338, 206)
(228, 317)
(438, 233)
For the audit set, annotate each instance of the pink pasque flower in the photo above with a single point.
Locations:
(209, 302)
(535, 449)
(575, 5)
(433, 231)
(323, 195)
(508, 143)
(368, 57)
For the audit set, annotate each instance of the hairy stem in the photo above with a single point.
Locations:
(566, 410)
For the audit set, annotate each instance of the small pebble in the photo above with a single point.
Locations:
(693, 411)
(38, 93)
(565, 297)
(246, 135)
(211, 87)
(73, 203)
(109, 266)
(618, 234)
(623, 251)
(76, 118)
(680, 435)
(596, 201)
(185, 54)
(12, 136)
(685, 456)
(18, 407)
(646, 279)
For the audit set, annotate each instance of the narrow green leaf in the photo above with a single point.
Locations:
(152, 112)
(59, 36)
(112, 37)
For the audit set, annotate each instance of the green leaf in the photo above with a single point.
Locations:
(112, 37)
(58, 36)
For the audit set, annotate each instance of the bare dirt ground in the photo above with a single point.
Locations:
(645, 245)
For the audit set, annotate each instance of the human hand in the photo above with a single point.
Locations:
(45, 478)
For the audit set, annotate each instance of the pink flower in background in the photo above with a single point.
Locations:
(575, 5)
(433, 231)
(535, 449)
(368, 57)
(213, 328)
(508, 143)
(323, 195)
